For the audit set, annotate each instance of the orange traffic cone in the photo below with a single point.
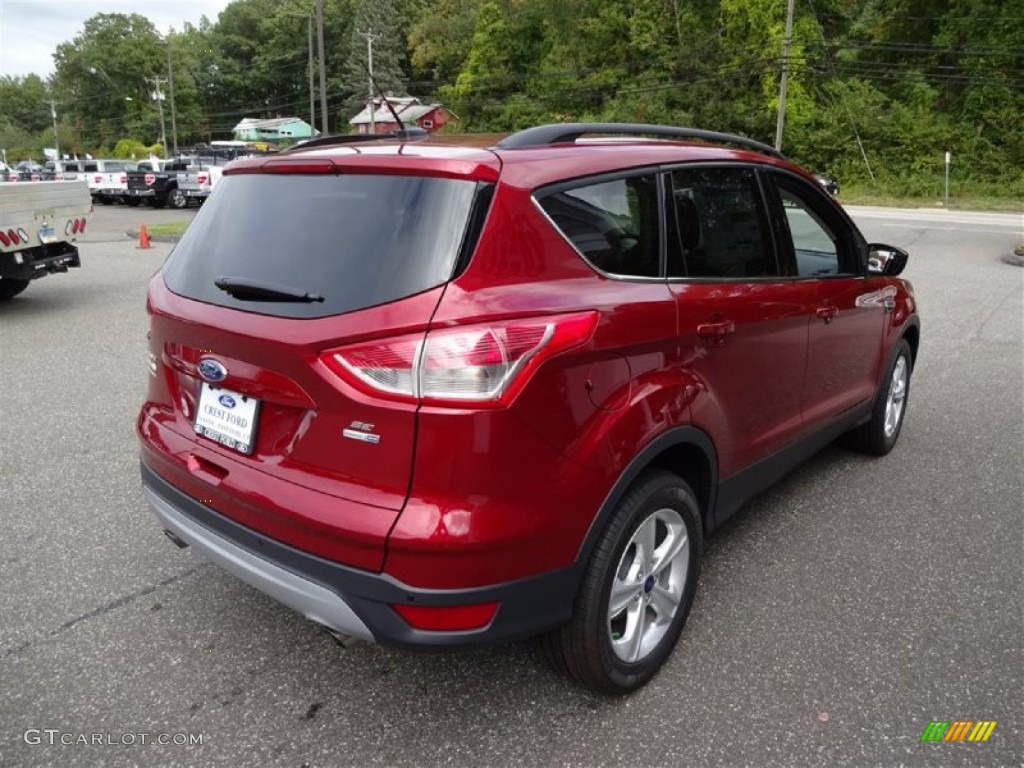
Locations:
(143, 237)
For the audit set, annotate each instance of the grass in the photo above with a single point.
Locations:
(171, 228)
(857, 195)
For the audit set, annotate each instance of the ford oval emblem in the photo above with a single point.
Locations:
(211, 370)
(227, 401)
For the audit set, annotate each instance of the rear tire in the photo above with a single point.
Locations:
(878, 436)
(636, 591)
(176, 199)
(9, 288)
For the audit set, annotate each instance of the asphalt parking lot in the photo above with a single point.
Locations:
(837, 615)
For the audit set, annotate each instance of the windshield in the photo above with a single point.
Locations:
(355, 240)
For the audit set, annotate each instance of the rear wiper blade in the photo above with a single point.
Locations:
(244, 289)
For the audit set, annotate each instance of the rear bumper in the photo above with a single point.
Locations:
(349, 600)
(30, 263)
(139, 192)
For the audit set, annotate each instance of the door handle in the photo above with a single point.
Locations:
(828, 314)
(716, 331)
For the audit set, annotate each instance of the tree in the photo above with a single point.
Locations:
(439, 40)
(376, 18)
(100, 77)
(24, 103)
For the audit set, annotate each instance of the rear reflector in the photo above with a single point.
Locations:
(486, 365)
(447, 618)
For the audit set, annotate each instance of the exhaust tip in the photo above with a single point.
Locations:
(345, 641)
(177, 541)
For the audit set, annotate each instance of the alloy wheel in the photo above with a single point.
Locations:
(648, 585)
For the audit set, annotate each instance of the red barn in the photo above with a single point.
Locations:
(429, 117)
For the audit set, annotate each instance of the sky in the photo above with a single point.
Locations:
(31, 30)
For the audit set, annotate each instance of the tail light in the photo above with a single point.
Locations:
(12, 236)
(81, 226)
(71, 228)
(203, 178)
(124, 178)
(4, 239)
(150, 178)
(487, 365)
(97, 179)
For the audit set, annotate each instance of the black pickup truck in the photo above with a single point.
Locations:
(156, 183)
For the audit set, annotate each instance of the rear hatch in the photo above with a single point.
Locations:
(286, 263)
(141, 181)
(194, 182)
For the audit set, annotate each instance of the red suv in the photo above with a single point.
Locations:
(436, 393)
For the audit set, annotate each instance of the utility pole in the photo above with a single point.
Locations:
(159, 96)
(323, 70)
(170, 83)
(786, 41)
(370, 37)
(312, 101)
(56, 138)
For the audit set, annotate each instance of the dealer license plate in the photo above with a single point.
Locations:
(227, 418)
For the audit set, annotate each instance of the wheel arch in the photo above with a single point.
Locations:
(912, 333)
(688, 452)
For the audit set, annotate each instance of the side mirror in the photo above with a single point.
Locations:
(886, 259)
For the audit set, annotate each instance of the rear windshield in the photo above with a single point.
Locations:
(356, 240)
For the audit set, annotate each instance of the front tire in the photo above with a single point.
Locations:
(878, 436)
(9, 288)
(637, 589)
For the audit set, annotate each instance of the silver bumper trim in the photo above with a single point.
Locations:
(312, 600)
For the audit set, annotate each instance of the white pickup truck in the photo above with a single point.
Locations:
(108, 179)
(39, 222)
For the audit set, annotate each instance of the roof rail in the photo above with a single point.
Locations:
(558, 133)
(407, 134)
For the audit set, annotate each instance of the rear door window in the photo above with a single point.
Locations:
(718, 226)
(357, 240)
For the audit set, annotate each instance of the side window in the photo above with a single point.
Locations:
(91, 168)
(815, 240)
(614, 224)
(717, 225)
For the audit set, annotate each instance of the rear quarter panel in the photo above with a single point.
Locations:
(509, 493)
